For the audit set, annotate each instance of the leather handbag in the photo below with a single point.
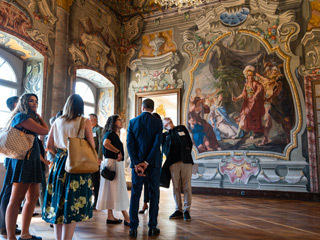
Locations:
(108, 171)
(15, 143)
(108, 174)
(82, 157)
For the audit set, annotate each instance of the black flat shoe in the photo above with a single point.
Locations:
(133, 232)
(114, 221)
(126, 223)
(33, 237)
(154, 232)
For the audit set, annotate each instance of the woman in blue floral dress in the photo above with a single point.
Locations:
(25, 174)
(68, 198)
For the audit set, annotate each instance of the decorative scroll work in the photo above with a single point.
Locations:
(34, 75)
(37, 36)
(14, 19)
(155, 73)
(42, 12)
(311, 43)
(96, 51)
(20, 47)
(131, 30)
(261, 18)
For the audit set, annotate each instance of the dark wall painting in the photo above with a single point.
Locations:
(240, 99)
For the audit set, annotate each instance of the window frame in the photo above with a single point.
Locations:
(16, 85)
(93, 90)
(12, 61)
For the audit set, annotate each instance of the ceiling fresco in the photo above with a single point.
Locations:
(18, 47)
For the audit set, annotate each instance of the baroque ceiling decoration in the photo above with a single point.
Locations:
(132, 7)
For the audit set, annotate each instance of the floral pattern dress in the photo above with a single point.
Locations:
(69, 196)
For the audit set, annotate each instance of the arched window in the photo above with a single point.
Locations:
(9, 86)
(85, 91)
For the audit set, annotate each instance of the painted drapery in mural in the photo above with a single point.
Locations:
(240, 99)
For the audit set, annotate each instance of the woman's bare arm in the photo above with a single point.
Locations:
(50, 142)
(33, 126)
(88, 133)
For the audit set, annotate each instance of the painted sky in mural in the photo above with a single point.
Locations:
(240, 99)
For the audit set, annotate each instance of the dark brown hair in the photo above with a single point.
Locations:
(73, 108)
(110, 125)
(23, 107)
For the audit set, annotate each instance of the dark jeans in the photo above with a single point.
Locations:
(96, 184)
(153, 180)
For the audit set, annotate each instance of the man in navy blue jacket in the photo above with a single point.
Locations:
(143, 143)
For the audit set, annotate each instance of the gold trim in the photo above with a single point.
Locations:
(294, 91)
(65, 4)
(286, 39)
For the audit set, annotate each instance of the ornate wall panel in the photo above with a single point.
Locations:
(231, 40)
(244, 102)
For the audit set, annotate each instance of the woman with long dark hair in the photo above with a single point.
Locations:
(113, 194)
(25, 175)
(68, 198)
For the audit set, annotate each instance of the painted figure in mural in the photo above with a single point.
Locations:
(199, 103)
(197, 106)
(252, 109)
(219, 119)
(281, 108)
(202, 133)
(272, 87)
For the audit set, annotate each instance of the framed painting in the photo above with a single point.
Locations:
(242, 97)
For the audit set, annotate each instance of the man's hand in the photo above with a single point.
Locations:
(140, 168)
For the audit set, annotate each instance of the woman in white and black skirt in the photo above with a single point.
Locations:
(113, 194)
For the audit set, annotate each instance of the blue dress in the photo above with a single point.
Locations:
(27, 170)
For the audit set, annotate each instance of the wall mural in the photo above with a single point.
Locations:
(240, 99)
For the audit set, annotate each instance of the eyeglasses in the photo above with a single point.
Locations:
(119, 119)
